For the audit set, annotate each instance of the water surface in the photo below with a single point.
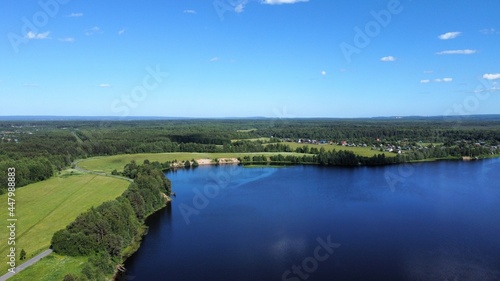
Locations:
(430, 221)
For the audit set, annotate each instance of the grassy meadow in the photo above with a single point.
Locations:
(255, 139)
(45, 207)
(362, 151)
(109, 163)
(52, 267)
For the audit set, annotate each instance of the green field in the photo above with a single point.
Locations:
(255, 139)
(246, 131)
(362, 151)
(109, 163)
(45, 207)
(53, 267)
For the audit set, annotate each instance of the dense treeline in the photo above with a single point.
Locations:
(36, 155)
(348, 158)
(30, 145)
(104, 232)
(27, 170)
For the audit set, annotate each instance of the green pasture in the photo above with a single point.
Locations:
(52, 267)
(45, 207)
(109, 163)
(246, 131)
(362, 151)
(254, 139)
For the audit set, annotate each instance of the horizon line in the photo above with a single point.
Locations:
(132, 118)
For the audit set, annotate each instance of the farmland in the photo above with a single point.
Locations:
(361, 151)
(45, 207)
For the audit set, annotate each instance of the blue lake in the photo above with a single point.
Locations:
(429, 221)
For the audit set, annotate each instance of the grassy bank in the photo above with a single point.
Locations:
(107, 164)
(52, 268)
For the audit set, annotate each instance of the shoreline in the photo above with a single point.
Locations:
(208, 161)
(134, 247)
(274, 164)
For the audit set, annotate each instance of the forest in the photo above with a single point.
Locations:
(104, 233)
(39, 149)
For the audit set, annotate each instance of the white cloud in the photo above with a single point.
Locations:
(214, 59)
(490, 89)
(457, 52)
(239, 8)
(449, 35)
(425, 81)
(67, 39)
(323, 72)
(32, 35)
(492, 76)
(388, 58)
(190, 12)
(445, 80)
(75, 15)
(121, 31)
(489, 31)
(104, 85)
(279, 2)
(92, 31)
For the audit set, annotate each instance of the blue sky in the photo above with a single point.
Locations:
(242, 58)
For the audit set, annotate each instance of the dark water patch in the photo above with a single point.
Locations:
(436, 221)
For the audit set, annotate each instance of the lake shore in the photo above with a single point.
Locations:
(269, 163)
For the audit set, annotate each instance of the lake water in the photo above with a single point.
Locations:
(429, 221)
